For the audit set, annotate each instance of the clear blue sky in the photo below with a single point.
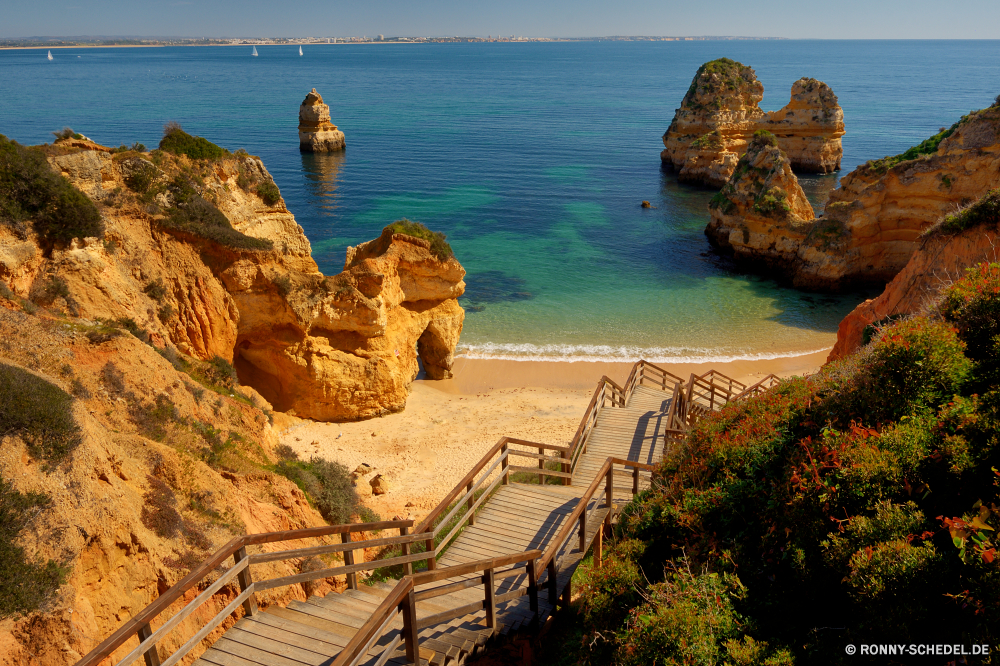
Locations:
(846, 19)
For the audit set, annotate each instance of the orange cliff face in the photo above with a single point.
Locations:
(873, 222)
(338, 348)
(940, 258)
(721, 111)
(761, 201)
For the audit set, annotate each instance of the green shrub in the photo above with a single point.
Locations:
(153, 420)
(608, 592)
(113, 378)
(439, 245)
(39, 412)
(222, 372)
(326, 483)
(142, 177)
(914, 364)
(155, 290)
(66, 133)
(175, 140)
(925, 147)
(25, 586)
(30, 190)
(686, 619)
(269, 193)
(773, 203)
(986, 211)
(763, 138)
(165, 312)
(973, 305)
(195, 215)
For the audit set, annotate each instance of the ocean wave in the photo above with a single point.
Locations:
(615, 354)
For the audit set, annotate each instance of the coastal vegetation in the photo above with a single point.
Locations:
(25, 585)
(175, 140)
(982, 212)
(928, 146)
(31, 193)
(719, 76)
(862, 500)
(439, 245)
(39, 412)
(190, 212)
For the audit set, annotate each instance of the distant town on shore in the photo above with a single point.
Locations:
(57, 42)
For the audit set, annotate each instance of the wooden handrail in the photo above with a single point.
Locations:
(141, 619)
(372, 625)
(556, 545)
(763, 385)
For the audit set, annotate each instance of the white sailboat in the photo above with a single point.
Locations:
(50, 55)
(300, 50)
(254, 54)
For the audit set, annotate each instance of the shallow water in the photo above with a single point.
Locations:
(533, 158)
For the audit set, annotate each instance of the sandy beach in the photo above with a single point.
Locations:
(448, 425)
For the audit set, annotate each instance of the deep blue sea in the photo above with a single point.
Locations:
(532, 157)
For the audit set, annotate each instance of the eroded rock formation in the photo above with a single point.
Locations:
(721, 111)
(761, 214)
(940, 258)
(317, 134)
(341, 347)
(873, 222)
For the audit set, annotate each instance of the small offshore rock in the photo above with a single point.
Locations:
(316, 133)
(646, 204)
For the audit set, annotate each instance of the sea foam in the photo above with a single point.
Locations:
(616, 354)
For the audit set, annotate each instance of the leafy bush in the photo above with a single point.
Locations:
(763, 138)
(113, 378)
(30, 190)
(160, 514)
(195, 215)
(986, 211)
(925, 147)
(439, 246)
(165, 312)
(608, 592)
(141, 177)
(66, 133)
(25, 586)
(222, 372)
(175, 140)
(326, 483)
(153, 420)
(155, 290)
(972, 305)
(39, 412)
(269, 193)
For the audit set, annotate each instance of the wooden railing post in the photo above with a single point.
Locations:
(533, 588)
(583, 530)
(408, 567)
(151, 656)
(432, 560)
(565, 466)
(491, 599)
(505, 461)
(599, 547)
(635, 480)
(410, 640)
(552, 583)
(352, 578)
(469, 503)
(541, 465)
(609, 498)
(250, 605)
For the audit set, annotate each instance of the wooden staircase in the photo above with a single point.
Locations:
(503, 535)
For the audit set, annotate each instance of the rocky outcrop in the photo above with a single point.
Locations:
(810, 127)
(940, 258)
(316, 133)
(341, 347)
(873, 222)
(121, 546)
(882, 207)
(762, 215)
(721, 111)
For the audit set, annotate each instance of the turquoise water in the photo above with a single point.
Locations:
(533, 158)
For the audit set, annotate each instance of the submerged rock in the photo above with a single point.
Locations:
(721, 111)
(316, 133)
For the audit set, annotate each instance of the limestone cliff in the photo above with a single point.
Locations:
(762, 215)
(165, 472)
(204, 256)
(873, 221)
(959, 241)
(721, 111)
(316, 133)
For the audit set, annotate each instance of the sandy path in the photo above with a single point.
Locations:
(448, 425)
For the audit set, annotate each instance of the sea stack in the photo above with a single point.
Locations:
(721, 111)
(316, 133)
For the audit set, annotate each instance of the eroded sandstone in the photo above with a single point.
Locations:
(317, 134)
(721, 111)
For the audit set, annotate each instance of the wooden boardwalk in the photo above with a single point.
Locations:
(493, 543)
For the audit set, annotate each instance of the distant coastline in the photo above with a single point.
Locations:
(57, 43)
